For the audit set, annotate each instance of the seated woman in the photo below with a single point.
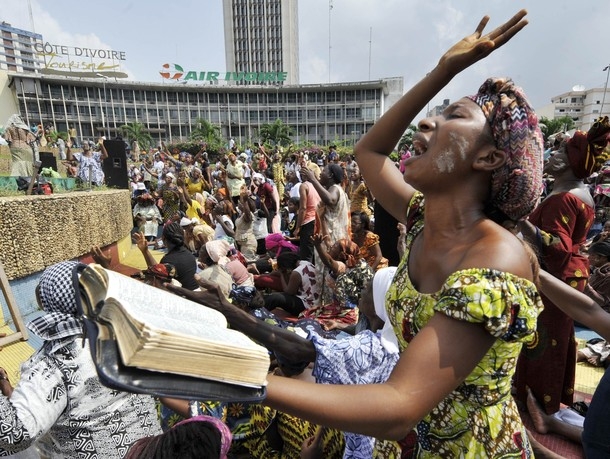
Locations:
(147, 216)
(367, 241)
(227, 257)
(177, 254)
(59, 403)
(266, 275)
(347, 275)
(298, 279)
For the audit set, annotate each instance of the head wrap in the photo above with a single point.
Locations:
(517, 185)
(276, 242)
(163, 271)
(58, 299)
(259, 176)
(15, 120)
(381, 283)
(217, 250)
(336, 172)
(587, 150)
(185, 221)
(225, 433)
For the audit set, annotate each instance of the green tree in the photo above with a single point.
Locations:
(137, 131)
(204, 131)
(277, 133)
(553, 126)
(406, 141)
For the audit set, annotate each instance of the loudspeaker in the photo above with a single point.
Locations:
(48, 160)
(115, 166)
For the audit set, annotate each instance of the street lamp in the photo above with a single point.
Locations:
(605, 69)
(106, 126)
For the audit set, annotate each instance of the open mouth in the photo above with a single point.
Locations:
(419, 146)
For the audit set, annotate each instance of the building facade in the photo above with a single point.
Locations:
(262, 36)
(17, 52)
(320, 114)
(584, 106)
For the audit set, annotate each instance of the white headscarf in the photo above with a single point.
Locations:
(381, 283)
(15, 120)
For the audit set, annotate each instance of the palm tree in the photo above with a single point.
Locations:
(207, 132)
(277, 133)
(137, 131)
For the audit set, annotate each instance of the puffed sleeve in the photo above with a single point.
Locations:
(506, 305)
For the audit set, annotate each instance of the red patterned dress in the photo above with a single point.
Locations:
(548, 364)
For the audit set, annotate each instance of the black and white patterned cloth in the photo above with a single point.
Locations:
(59, 403)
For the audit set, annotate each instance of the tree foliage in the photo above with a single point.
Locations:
(137, 131)
(553, 126)
(204, 131)
(406, 141)
(276, 133)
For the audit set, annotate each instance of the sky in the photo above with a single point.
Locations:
(562, 46)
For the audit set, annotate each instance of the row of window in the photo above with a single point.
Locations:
(129, 96)
(214, 114)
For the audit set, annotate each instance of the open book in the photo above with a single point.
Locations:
(157, 330)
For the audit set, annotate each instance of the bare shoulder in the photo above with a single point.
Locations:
(501, 250)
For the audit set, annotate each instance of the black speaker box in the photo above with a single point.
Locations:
(115, 166)
(48, 160)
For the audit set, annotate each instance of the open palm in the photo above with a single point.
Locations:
(476, 46)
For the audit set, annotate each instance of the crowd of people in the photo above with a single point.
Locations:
(437, 295)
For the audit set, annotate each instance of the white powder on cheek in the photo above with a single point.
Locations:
(461, 143)
(445, 162)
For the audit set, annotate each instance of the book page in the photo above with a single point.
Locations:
(157, 307)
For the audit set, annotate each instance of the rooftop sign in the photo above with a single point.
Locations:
(176, 72)
(80, 61)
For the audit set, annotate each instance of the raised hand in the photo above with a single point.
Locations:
(476, 46)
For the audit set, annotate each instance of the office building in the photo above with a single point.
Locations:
(262, 36)
(17, 52)
(320, 114)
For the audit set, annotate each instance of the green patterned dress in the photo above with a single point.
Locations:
(479, 418)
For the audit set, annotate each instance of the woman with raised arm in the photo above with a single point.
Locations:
(464, 300)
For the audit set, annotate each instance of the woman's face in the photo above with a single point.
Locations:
(326, 177)
(557, 162)
(445, 144)
(356, 223)
(355, 175)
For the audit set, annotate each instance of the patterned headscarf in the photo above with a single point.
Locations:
(58, 299)
(225, 434)
(516, 187)
(587, 150)
(276, 241)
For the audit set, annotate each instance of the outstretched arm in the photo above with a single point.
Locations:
(577, 305)
(381, 175)
(283, 342)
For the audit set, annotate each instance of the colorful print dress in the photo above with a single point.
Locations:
(548, 365)
(479, 418)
